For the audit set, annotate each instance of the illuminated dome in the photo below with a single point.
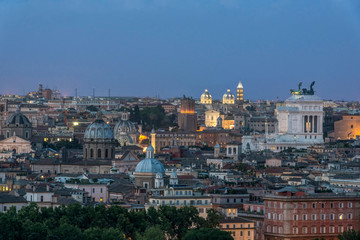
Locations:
(150, 164)
(99, 130)
(206, 98)
(228, 98)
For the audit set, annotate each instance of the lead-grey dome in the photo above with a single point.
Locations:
(18, 119)
(99, 130)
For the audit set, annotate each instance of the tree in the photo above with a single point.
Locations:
(207, 234)
(350, 235)
(92, 108)
(152, 233)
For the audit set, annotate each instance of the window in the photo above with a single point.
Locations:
(313, 217)
(350, 216)
(341, 229)
(5, 208)
(269, 204)
(322, 229)
(332, 216)
(275, 205)
(323, 217)
(304, 205)
(41, 198)
(313, 229)
(295, 205)
(281, 217)
(274, 229)
(269, 228)
(274, 216)
(248, 233)
(304, 230)
(349, 205)
(332, 229)
(314, 205)
(281, 205)
(331, 205)
(305, 217)
(295, 217)
(101, 190)
(93, 190)
(269, 216)
(295, 230)
(323, 205)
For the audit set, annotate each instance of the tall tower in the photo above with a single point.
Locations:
(153, 138)
(240, 92)
(187, 119)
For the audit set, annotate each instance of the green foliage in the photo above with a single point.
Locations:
(350, 235)
(241, 167)
(100, 223)
(207, 234)
(92, 108)
(152, 117)
(152, 233)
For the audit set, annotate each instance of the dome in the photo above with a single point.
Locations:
(206, 95)
(124, 126)
(228, 95)
(149, 165)
(99, 130)
(159, 175)
(18, 119)
(173, 174)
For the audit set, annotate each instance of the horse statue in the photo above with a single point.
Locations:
(298, 92)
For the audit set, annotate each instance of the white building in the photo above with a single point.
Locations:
(300, 125)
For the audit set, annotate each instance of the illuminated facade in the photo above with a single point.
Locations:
(206, 98)
(228, 98)
(211, 117)
(347, 128)
(240, 92)
(239, 228)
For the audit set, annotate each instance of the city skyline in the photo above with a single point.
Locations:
(142, 48)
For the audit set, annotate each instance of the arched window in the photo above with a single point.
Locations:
(26, 134)
(99, 153)
(91, 153)
(106, 153)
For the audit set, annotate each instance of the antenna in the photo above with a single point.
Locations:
(75, 92)
(93, 92)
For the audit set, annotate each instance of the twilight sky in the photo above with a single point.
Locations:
(176, 47)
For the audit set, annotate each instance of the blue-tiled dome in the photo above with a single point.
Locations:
(99, 130)
(149, 164)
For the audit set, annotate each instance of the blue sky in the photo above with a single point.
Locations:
(170, 48)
